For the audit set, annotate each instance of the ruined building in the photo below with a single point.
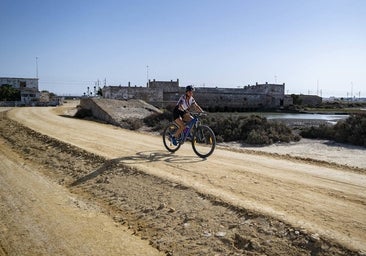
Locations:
(29, 93)
(28, 88)
(165, 93)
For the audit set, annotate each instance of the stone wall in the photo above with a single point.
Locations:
(162, 94)
(163, 84)
(288, 101)
(249, 97)
(11, 104)
(128, 92)
(310, 100)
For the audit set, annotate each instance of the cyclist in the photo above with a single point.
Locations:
(181, 114)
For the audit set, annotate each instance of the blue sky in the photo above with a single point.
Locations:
(314, 46)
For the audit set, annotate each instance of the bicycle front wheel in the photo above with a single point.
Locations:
(168, 132)
(203, 141)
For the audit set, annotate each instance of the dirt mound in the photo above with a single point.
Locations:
(126, 109)
(124, 113)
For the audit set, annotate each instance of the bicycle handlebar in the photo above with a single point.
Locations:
(198, 114)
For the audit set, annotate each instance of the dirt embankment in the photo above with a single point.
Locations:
(174, 217)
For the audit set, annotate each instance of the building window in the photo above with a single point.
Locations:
(22, 84)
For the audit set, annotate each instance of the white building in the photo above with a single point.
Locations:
(28, 88)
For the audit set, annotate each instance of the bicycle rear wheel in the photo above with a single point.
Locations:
(168, 132)
(203, 141)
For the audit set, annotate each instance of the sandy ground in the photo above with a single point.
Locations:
(238, 201)
(39, 217)
(308, 149)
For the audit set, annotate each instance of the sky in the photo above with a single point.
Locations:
(315, 47)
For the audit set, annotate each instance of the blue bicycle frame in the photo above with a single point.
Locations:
(202, 137)
(187, 129)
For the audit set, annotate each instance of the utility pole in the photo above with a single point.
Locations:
(147, 75)
(36, 67)
(351, 89)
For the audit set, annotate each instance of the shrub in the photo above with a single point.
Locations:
(134, 123)
(352, 130)
(258, 137)
(9, 93)
(158, 121)
(324, 131)
(251, 129)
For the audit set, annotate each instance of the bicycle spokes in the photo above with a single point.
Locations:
(168, 133)
(204, 141)
(202, 137)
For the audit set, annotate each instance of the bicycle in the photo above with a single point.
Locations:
(202, 137)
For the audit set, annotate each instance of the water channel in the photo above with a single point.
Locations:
(332, 118)
(293, 118)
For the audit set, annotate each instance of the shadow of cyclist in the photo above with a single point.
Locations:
(140, 157)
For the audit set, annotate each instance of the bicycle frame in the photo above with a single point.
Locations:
(186, 132)
(202, 137)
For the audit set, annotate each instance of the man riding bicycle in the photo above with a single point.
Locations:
(181, 114)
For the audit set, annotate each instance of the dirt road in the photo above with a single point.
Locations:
(42, 218)
(319, 202)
